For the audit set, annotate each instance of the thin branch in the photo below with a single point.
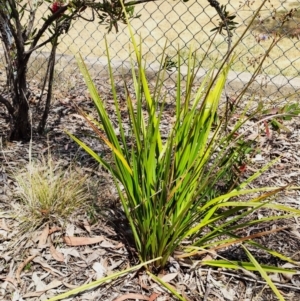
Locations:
(15, 16)
(216, 5)
(40, 45)
(45, 26)
(8, 28)
(29, 27)
(88, 20)
(138, 2)
(8, 105)
(50, 71)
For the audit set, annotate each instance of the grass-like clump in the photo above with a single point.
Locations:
(49, 193)
(174, 182)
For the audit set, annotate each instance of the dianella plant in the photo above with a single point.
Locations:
(174, 186)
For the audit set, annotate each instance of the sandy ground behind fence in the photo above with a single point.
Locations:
(179, 25)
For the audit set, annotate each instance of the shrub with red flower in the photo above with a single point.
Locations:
(55, 7)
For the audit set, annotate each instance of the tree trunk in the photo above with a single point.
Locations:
(21, 125)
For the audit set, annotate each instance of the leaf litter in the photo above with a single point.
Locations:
(94, 243)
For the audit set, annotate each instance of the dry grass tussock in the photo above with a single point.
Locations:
(48, 193)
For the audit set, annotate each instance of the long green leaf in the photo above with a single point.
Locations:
(264, 274)
(250, 266)
(168, 184)
(167, 286)
(112, 141)
(98, 282)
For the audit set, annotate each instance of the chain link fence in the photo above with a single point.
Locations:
(178, 25)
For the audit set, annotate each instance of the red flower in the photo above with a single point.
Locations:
(243, 168)
(55, 7)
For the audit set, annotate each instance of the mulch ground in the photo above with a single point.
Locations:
(40, 264)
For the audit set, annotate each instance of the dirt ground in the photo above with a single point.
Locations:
(32, 268)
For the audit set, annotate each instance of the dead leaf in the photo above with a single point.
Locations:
(17, 296)
(207, 258)
(267, 128)
(119, 246)
(38, 282)
(143, 282)
(87, 226)
(169, 277)
(22, 265)
(276, 277)
(47, 267)
(4, 226)
(68, 285)
(70, 230)
(132, 296)
(64, 101)
(33, 294)
(115, 264)
(55, 283)
(100, 269)
(9, 279)
(43, 237)
(226, 291)
(54, 229)
(153, 296)
(295, 232)
(288, 265)
(186, 298)
(94, 255)
(77, 116)
(107, 244)
(258, 158)
(58, 256)
(82, 241)
(70, 251)
(252, 136)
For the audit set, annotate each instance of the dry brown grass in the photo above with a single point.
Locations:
(48, 193)
(64, 72)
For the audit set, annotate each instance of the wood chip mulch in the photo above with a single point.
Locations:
(44, 263)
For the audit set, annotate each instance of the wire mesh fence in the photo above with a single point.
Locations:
(177, 25)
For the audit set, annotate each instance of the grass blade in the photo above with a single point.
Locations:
(99, 282)
(263, 273)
